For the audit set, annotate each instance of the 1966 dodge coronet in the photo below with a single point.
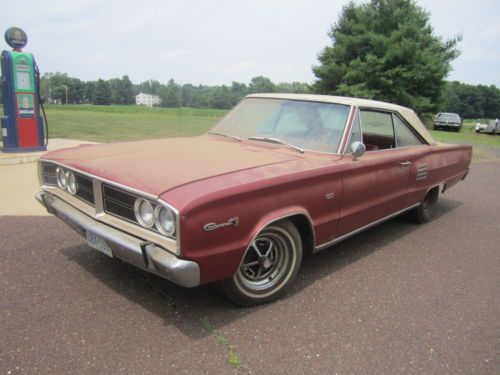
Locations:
(280, 175)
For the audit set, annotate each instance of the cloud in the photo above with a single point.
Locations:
(240, 67)
(63, 10)
(174, 55)
(490, 33)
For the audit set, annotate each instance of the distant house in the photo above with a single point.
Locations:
(147, 99)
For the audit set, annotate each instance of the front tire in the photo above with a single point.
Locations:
(270, 264)
(426, 209)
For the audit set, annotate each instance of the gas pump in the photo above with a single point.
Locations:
(23, 129)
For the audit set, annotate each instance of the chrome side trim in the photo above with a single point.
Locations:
(359, 230)
(130, 249)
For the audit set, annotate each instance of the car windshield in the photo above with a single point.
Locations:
(303, 124)
(448, 116)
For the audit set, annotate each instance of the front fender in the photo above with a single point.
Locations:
(222, 262)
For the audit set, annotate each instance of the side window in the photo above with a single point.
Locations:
(404, 136)
(355, 133)
(378, 131)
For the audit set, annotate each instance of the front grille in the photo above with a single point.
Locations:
(85, 188)
(118, 202)
(49, 174)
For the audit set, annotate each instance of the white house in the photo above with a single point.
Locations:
(147, 99)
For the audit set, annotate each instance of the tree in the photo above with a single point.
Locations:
(102, 93)
(121, 90)
(170, 94)
(386, 50)
(88, 91)
(261, 84)
(471, 101)
(221, 98)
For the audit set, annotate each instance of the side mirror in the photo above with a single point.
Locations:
(358, 149)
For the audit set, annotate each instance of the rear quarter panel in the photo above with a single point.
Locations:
(436, 165)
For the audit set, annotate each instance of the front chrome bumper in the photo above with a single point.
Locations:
(140, 253)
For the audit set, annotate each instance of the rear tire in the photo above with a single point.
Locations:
(425, 210)
(270, 264)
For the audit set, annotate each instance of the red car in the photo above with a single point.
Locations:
(280, 175)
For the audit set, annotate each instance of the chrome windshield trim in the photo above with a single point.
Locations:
(226, 135)
(276, 141)
(347, 130)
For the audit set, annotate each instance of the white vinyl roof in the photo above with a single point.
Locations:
(409, 115)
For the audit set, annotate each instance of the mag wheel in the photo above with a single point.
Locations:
(269, 265)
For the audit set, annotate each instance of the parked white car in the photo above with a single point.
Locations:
(480, 127)
(493, 127)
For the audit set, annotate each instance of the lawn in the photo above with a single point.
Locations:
(116, 123)
(466, 135)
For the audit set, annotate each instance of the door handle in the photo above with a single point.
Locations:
(405, 163)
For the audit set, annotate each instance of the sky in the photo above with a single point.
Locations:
(220, 41)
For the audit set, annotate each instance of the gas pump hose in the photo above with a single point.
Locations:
(45, 123)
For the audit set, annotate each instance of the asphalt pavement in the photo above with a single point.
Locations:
(400, 298)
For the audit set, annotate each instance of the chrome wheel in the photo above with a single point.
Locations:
(271, 261)
(266, 260)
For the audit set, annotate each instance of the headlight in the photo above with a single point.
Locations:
(72, 184)
(165, 220)
(144, 212)
(62, 180)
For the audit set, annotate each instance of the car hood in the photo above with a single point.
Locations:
(156, 166)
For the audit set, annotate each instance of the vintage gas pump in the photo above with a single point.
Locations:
(22, 126)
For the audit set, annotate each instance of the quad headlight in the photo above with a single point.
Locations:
(72, 184)
(165, 220)
(144, 212)
(66, 180)
(62, 180)
(151, 215)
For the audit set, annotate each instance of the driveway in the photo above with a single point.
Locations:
(399, 298)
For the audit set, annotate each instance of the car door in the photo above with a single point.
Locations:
(374, 186)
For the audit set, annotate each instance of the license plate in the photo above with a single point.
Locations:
(98, 243)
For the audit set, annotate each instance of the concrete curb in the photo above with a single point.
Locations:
(10, 159)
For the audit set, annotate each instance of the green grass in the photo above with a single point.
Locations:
(466, 135)
(116, 123)
(224, 342)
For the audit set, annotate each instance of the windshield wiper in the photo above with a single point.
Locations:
(226, 135)
(277, 140)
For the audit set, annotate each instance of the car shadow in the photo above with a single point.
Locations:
(188, 309)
